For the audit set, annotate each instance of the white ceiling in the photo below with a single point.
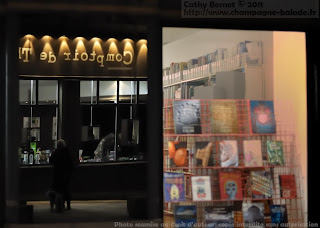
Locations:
(172, 34)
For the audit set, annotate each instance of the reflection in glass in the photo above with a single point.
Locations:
(128, 92)
(27, 91)
(48, 92)
(108, 91)
(88, 92)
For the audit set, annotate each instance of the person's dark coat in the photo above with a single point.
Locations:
(62, 169)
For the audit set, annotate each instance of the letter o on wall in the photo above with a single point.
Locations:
(119, 57)
(84, 56)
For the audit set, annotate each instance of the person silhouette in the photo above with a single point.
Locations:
(62, 170)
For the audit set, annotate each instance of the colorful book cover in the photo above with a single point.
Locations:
(253, 214)
(186, 114)
(201, 188)
(238, 219)
(230, 185)
(288, 186)
(224, 117)
(218, 216)
(275, 152)
(261, 184)
(252, 153)
(279, 215)
(262, 117)
(228, 150)
(178, 154)
(185, 216)
(173, 184)
(204, 154)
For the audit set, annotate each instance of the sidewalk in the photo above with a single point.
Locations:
(94, 214)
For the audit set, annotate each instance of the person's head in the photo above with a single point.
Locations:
(61, 144)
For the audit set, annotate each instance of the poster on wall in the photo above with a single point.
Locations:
(34, 124)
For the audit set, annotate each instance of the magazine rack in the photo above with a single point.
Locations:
(291, 165)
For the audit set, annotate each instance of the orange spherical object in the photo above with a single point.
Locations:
(172, 149)
(180, 158)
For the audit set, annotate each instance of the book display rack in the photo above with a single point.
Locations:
(230, 162)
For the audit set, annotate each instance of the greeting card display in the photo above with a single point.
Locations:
(279, 216)
(252, 153)
(288, 186)
(201, 188)
(174, 188)
(261, 184)
(186, 114)
(230, 185)
(204, 154)
(228, 150)
(178, 154)
(253, 214)
(219, 216)
(262, 117)
(275, 152)
(185, 216)
(224, 117)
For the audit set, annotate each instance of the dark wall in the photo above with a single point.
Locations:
(2, 120)
(313, 116)
(154, 120)
(11, 116)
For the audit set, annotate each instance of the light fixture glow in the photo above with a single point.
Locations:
(113, 48)
(47, 48)
(80, 47)
(64, 47)
(97, 47)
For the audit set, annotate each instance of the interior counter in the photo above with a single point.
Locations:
(90, 181)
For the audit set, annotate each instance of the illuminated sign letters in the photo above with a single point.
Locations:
(63, 56)
(50, 57)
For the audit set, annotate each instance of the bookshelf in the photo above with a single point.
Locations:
(182, 83)
(291, 165)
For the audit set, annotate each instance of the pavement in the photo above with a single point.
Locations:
(83, 214)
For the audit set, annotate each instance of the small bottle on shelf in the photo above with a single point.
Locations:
(25, 156)
(31, 157)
